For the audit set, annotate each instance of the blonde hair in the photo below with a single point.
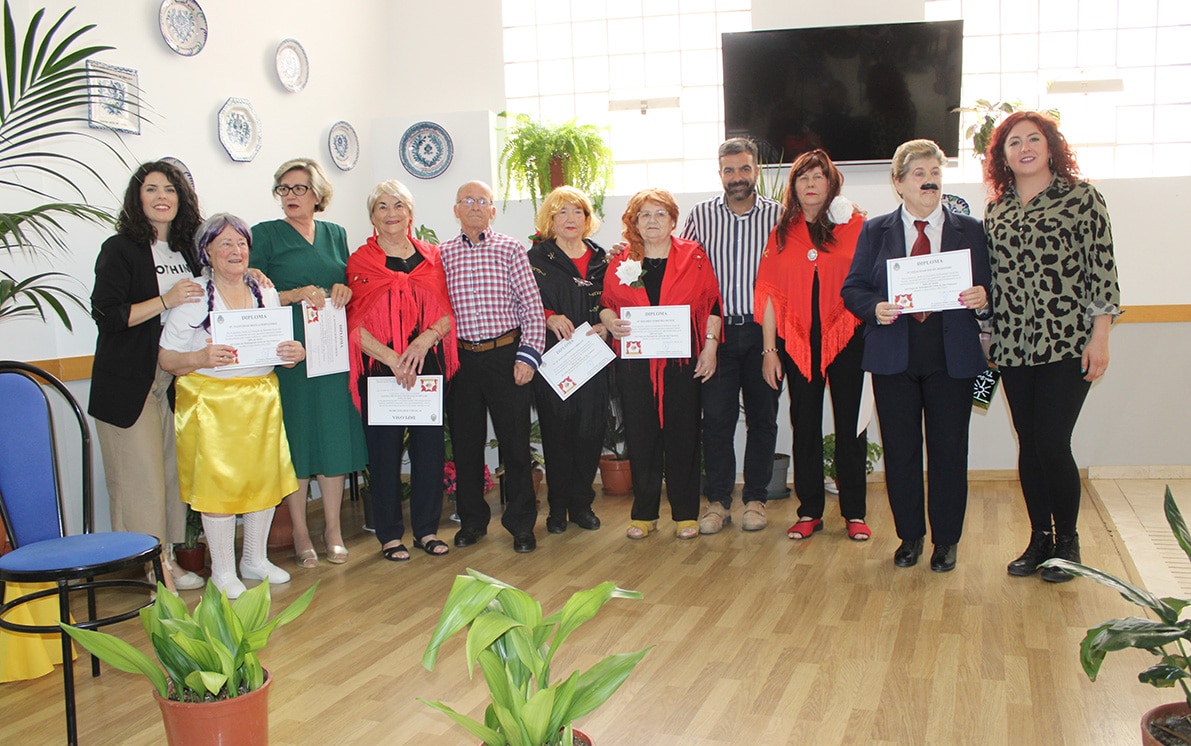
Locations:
(910, 150)
(318, 179)
(393, 188)
(631, 234)
(553, 204)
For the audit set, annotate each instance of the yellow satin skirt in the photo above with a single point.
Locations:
(26, 655)
(233, 456)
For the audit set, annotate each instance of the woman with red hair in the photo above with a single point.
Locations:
(661, 396)
(813, 339)
(1055, 280)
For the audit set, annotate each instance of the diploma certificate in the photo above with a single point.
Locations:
(326, 339)
(573, 362)
(254, 333)
(658, 331)
(931, 282)
(390, 403)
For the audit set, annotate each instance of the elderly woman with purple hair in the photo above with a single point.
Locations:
(233, 456)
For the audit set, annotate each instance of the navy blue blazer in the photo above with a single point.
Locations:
(887, 347)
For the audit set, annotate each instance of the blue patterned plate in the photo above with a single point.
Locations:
(180, 166)
(344, 146)
(183, 25)
(239, 129)
(957, 204)
(426, 150)
(293, 69)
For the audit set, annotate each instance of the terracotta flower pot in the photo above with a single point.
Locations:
(194, 560)
(616, 475)
(580, 738)
(243, 720)
(1160, 714)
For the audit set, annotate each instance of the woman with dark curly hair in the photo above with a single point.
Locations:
(1055, 280)
(141, 272)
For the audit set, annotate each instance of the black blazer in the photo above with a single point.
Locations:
(887, 347)
(125, 357)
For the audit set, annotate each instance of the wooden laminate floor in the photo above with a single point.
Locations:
(757, 640)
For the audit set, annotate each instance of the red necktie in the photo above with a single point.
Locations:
(921, 247)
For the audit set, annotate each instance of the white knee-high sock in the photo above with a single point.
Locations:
(221, 542)
(256, 537)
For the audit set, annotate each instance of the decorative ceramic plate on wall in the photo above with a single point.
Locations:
(181, 167)
(184, 26)
(344, 146)
(426, 150)
(957, 204)
(239, 129)
(293, 69)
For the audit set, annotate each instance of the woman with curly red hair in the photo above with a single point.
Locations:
(661, 396)
(1055, 280)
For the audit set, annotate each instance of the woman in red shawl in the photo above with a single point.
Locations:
(398, 315)
(661, 397)
(811, 336)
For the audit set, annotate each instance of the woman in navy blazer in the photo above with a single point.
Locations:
(923, 365)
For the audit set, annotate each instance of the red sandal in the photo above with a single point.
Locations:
(858, 530)
(804, 528)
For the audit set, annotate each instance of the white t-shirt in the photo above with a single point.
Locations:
(171, 269)
(184, 332)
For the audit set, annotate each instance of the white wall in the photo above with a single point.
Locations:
(384, 65)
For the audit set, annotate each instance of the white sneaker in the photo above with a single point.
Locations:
(188, 581)
(266, 570)
(229, 584)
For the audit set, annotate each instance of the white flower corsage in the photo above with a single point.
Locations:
(840, 211)
(630, 272)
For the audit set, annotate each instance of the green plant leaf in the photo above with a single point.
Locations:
(118, 654)
(484, 631)
(1163, 675)
(256, 639)
(489, 736)
(1128, 591)
(582, 606)
(595, 685)
(469, 596)
(535, 715)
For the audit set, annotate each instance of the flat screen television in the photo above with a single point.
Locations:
(856, 91)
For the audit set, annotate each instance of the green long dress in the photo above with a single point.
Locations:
(325, 432)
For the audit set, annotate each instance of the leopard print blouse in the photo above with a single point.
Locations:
(1053, 271)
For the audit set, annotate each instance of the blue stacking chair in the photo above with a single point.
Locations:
(31, 507)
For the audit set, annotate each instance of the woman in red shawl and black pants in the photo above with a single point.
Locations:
(809, 333)
(661, 397)
(398, 315)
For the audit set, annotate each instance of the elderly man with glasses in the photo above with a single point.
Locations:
(501, 328)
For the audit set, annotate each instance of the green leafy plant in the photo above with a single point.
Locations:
(538, 157)
(206, 656)
(194, 527)
(535, 445)
(425, 233)
(769, 179)
(614, 437)
(872, 456)
(515, 647)
(1156, 637)
(43, 89)
(988, 116)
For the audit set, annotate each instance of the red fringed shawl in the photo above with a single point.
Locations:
(393, 305)
(785, 277)
(689, 280)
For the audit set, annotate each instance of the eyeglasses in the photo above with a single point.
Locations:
(472, 201)
(282, 190)
(658, 215)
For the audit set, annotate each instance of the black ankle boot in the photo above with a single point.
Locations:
(1067, 548)
(1041, 548)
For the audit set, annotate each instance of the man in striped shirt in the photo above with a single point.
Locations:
(733, 228)
(502, 330)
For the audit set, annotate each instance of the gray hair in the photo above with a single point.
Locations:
(318, 179)
(393, 188)
(739, 145)
(911, 150)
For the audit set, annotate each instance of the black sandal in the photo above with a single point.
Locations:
(429, 547)
(391, 553)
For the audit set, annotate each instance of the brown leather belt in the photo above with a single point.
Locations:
(503, 340)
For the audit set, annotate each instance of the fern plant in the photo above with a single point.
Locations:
(44, 90)
(576, 154)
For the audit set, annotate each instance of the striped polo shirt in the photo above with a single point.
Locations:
(734, 243)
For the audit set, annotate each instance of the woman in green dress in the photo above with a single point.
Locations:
(307, 260)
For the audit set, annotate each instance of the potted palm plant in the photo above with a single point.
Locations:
(213, 689)
(872, 456)
(616, 471)
(192, 553)
(539, 157)
(1168, 639)
(515, 647)
(44, 85)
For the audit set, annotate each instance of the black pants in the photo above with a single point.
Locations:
(484, 386)
(669, 449)
(1045, 401)
(806, 419)
(739, 371)
(572, 439)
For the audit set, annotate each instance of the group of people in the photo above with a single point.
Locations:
(793, 292)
